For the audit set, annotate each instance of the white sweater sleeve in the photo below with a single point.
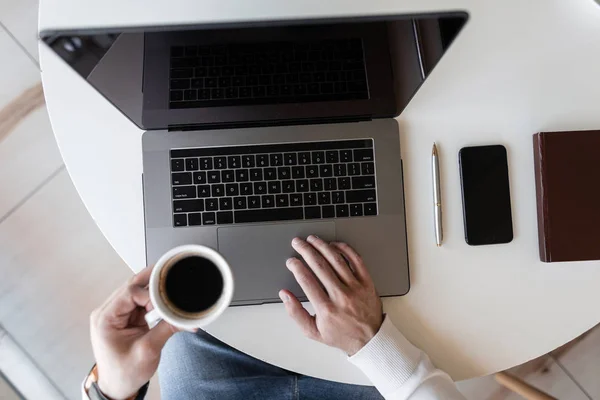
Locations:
(400, 371)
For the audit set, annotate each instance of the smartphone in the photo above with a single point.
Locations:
(486, 195)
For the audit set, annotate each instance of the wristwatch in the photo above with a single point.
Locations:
(94, 393)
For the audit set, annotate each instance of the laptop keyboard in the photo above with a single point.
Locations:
(267, 73)
(274, 182)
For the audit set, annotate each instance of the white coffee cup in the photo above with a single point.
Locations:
(164, 311)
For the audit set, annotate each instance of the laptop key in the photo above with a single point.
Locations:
(342, 211)
(184, 192)
(180, 220)
(203, 190)
(220, 162)
(330, 184)
(353, 169)
(368, 168)
(328, 212)
(318, 157)
(370, 209)
(188, 205)
(316, 185)
(332, 156)
(218, 190)
(298, 172)
(274, 187)
(312, 212)
(182, 178)
(288, 186)
(339, 170)
(239, 203)
(356, 210)
(254, 202)
(191, 164)
(214, 177)
(262, 160)
(282, 200)
(233, 162)
(177, 165)
(283, 173)
(225, 203)
(304, 158)
(270, 174)
(325, 170)
(194, 219)
(302, 185)
(310, 199)
(338, 198)
(246, 189)
(248, 161)
(345, 156)
(206, 163)
(200, 178)
(232, 189)
(211, 204)
(208, 218)
(227, 176)
(275, 214)
(360, 196)
(241, 175)
(343, 183)
(324, 198)
(363, 155)
(225, 217)
(256, 174)
(312, 171)
(276, 159)
(295, 199)
(260, 188)
(363, 182)
(267, 201)
(290, 159)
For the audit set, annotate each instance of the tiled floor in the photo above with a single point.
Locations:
(55, 265)
(6, 390)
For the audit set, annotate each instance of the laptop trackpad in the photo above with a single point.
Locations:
(257, 256)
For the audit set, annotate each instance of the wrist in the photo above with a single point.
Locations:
(115, 393)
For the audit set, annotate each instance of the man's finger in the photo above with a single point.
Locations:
(308, 282)
(158, 336)
(356, 261)
(305, 321)
(123, 304)
(319, 265)
(142, 278)
(335, 259)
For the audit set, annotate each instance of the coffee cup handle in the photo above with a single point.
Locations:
(152, 318)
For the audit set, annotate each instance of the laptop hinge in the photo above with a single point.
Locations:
(260, 124)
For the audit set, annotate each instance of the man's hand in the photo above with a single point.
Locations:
(127, 352)
(348, 311)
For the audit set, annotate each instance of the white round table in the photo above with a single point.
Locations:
(517, 68)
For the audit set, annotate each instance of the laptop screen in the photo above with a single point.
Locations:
(273, 73)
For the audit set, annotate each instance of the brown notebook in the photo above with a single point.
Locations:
(567, 179)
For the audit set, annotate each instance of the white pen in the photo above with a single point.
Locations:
(437, 196)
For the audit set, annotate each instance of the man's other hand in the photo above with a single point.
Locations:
(127, 352)
(348, 311)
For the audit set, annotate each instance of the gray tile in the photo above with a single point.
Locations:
(20, 18)
(56, 267)
(28, 156)
(6, 391)
(582, 360)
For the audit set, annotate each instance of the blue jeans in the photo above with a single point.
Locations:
(198, 366)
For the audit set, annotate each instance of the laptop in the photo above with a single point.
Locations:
(258, 135)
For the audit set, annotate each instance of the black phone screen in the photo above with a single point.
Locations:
(486, 195)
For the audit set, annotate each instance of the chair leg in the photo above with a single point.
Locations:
(520, 387)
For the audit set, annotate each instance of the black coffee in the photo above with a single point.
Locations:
(193, 284)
